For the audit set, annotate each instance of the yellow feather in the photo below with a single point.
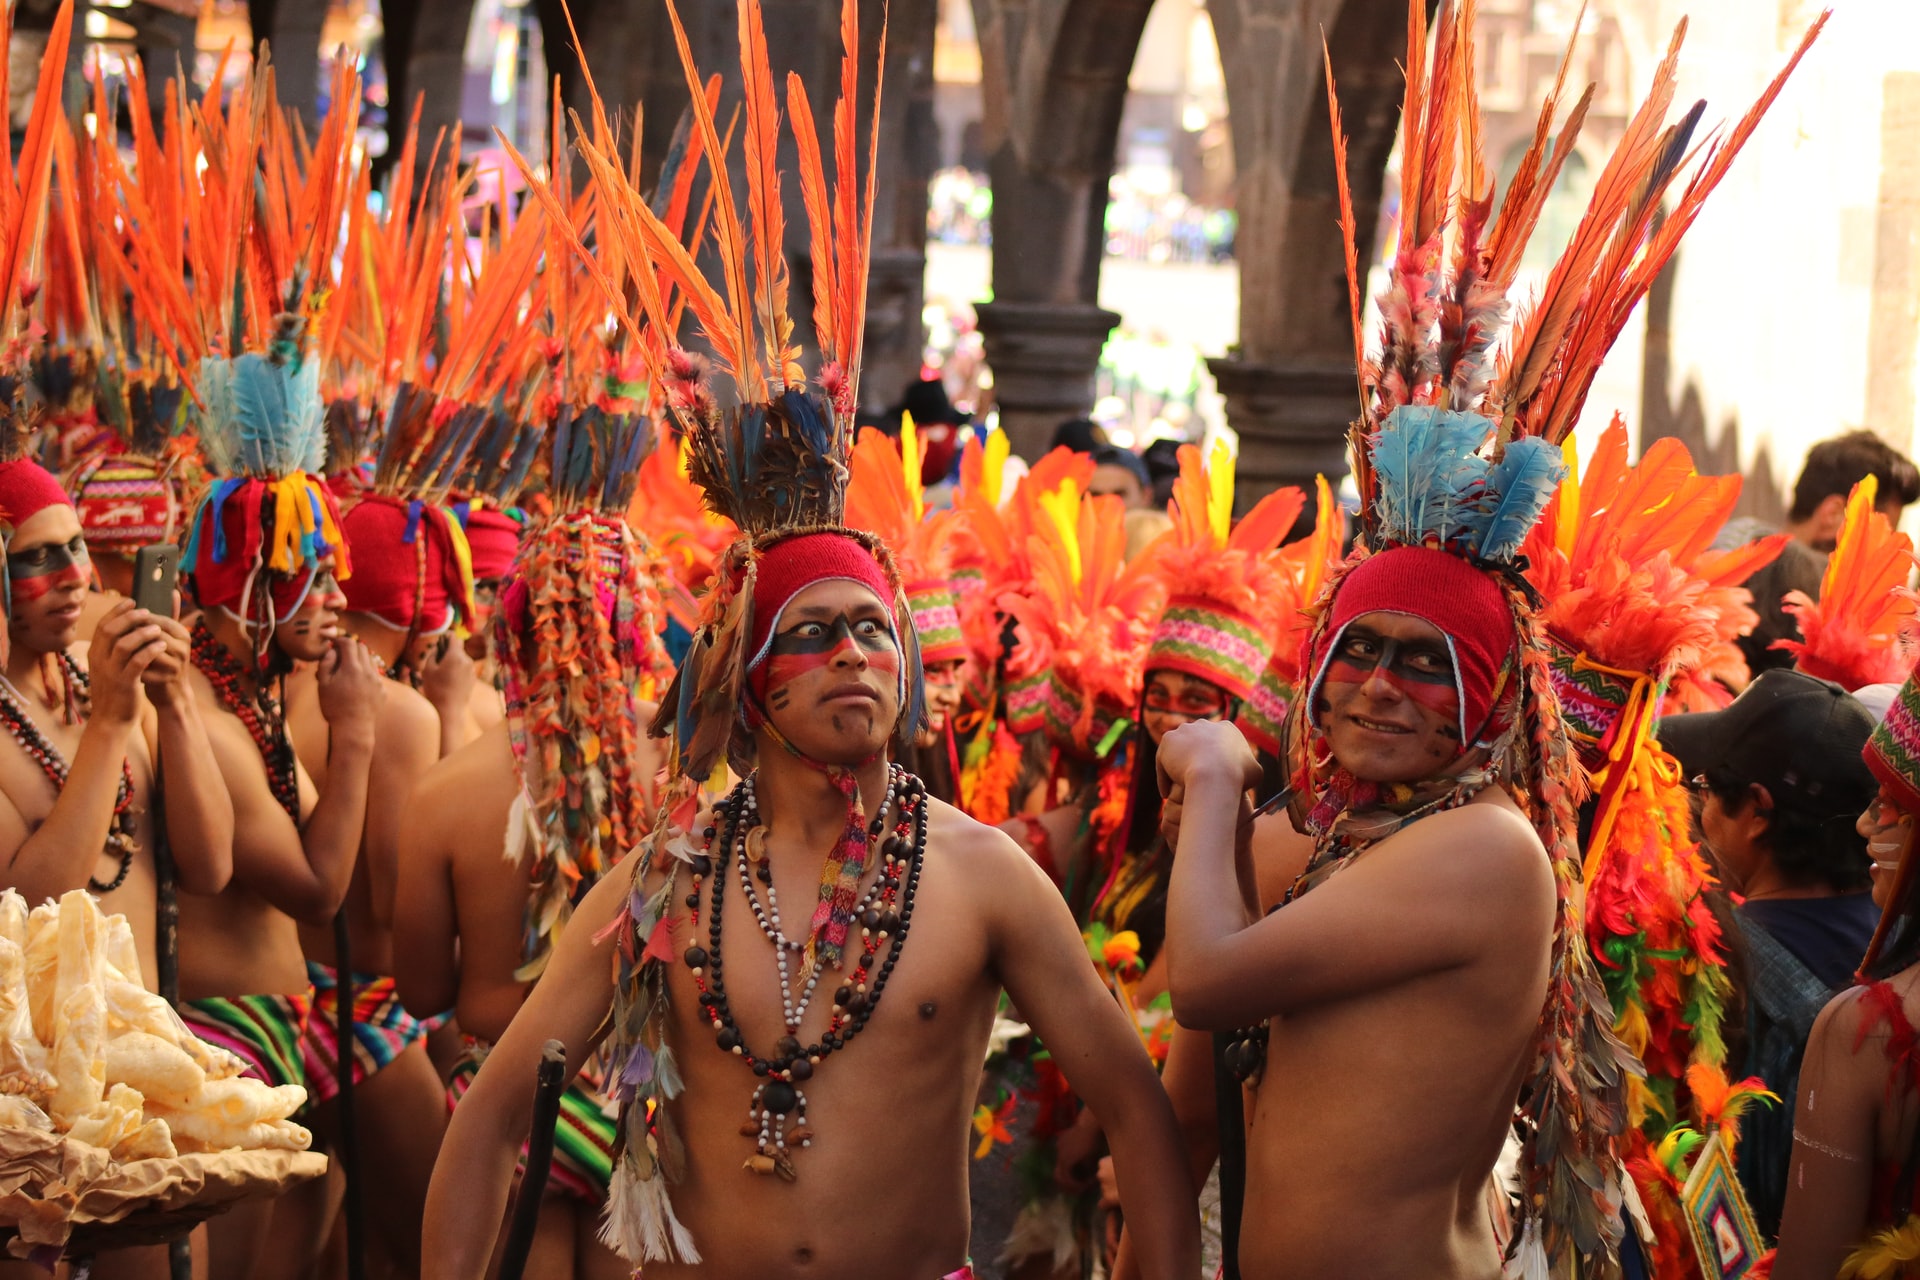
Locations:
(910, 465)
(1567, 530)
(1062, 507)
(1220, 492)
(994, 455)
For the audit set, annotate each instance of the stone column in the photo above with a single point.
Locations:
(1287, 415)
(909, 148)
(1043, 356)
(1290, 386)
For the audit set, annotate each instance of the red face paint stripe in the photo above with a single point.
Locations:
(1441, 699)
(29, 590)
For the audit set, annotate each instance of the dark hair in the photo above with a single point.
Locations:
(1082, 435)
(1835, 466)
(1810, 843)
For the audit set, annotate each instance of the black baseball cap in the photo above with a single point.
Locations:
(1797, 736)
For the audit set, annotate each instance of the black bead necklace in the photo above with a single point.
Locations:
(777, 1114)
(20, 725)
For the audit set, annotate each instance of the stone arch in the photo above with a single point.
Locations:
(1053, 85)
(1290, 386)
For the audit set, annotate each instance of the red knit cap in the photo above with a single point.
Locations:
(26, 489)
(1465, 603)
(494, 538)
(388, 534)
(789, 567)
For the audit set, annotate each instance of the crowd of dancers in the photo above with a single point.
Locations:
(1469, 884)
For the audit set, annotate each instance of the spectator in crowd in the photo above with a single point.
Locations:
(1831, 470)
(1780, 783)
(1120, 472)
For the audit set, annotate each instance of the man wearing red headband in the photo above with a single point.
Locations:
(406, 591)
(125, 502)
(269, 599)
(823, 1002)
(78, 778)
(1412, 685)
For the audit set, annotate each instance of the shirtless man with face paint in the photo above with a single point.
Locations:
(888, 1105)
(1427, 943)
(77, 772)
(243, 974)
(77, 769)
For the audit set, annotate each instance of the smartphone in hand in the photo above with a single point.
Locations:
(156, 570)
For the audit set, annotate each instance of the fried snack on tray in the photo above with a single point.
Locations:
(87, 1051)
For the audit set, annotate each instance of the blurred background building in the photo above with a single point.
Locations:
(1125, 208)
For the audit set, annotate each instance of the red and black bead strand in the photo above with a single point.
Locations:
(777, 1113)
(20, 725)
(258, 711)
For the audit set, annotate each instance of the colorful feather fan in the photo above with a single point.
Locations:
(1636, 600)
(1861, 630)
(1086, 618)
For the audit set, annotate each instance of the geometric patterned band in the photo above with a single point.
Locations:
(936, 617)
(1203, 640)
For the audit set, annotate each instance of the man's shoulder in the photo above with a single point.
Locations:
(1484, 842)
(405, 710)
(957, 834)
(473, 779)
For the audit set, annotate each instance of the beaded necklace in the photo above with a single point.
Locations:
(777, 1113)
(20, 724)
(258, 711)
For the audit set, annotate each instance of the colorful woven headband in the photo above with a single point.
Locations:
(125, 502)
(1201, 638)
(1263, 712)
(1893, 750)
(1593, 699)
(936, 616)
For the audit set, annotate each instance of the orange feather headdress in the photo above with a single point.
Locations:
(1085, 619)
(1860, 631)
(1227, 588)
(1635, 599)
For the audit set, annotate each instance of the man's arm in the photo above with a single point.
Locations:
(426, 962)
(199, 812)
(1831, 1180)
(1416, 904)
(305, 872)
(467, 1200)
(1188, 1080)
(1038, 956)
(61, 853)
(408, 743)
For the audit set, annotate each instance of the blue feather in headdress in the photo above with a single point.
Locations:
(1430, 473)
(1518, 489)
(262, 418)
